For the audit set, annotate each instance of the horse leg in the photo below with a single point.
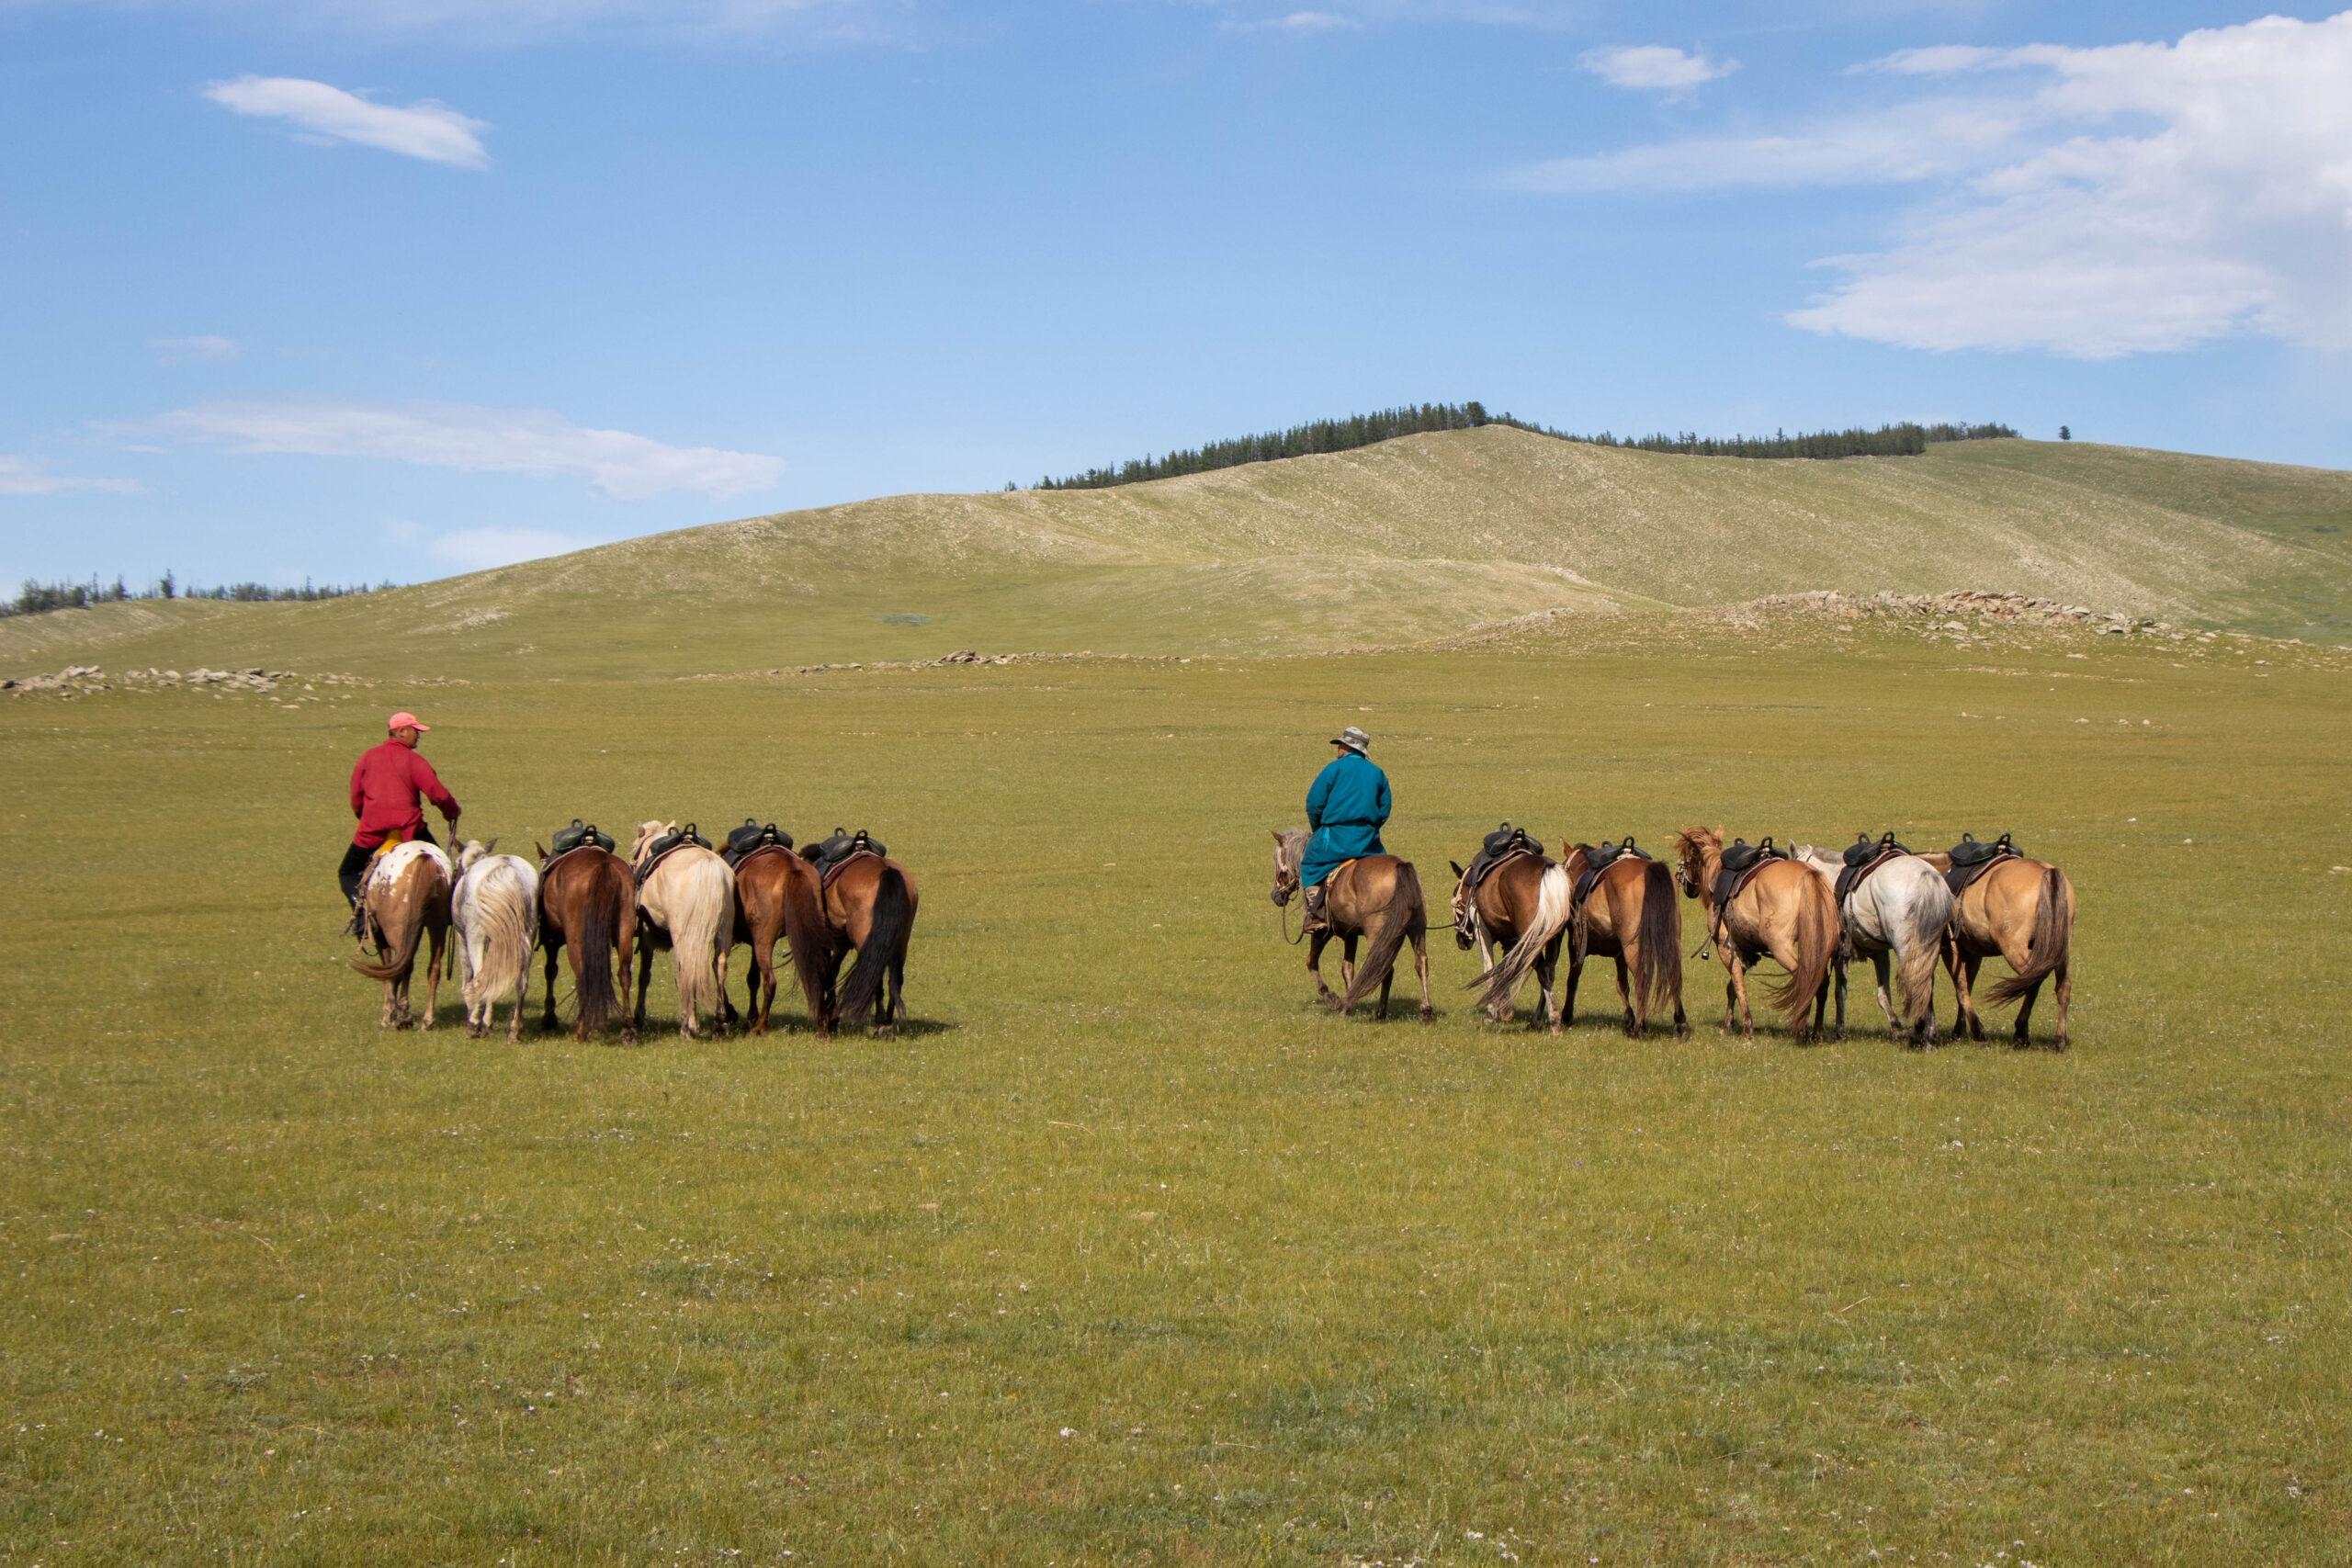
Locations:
(2064, 991)
(1882, 967)
(1314, 966)
(2025, 1011)
(726, 1008)
(644, 979)
(1740, 988)
(1841, 998)
(1625, 995)
(547, 1020)
(1565, 1013)
(1347, 963)
(440, 940)
(1548, 976)
(1966, 980)
(1422, 970)
(1381, 1011)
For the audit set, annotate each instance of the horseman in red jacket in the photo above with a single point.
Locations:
(384, 790)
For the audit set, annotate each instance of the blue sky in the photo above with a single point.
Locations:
(363, 288)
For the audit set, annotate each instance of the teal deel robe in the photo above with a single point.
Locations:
(1346, 807)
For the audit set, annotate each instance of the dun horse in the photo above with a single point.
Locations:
(778, 897)
(686, 901)
(1895, 917)
(1496, 917)
(1628, 913)
(2021, 910)
(406, 899)
(588, 903)
(1379, 896)
(1783, 909)
(496, 911)
(869, 903)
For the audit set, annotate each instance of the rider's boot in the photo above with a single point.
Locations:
(1314, 919)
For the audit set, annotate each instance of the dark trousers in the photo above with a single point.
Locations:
(353, 868)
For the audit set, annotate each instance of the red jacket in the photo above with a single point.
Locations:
(384, 787)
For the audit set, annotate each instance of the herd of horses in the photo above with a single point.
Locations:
(673, 893)
(1811, 911)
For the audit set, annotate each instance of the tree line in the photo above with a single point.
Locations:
(36, 598)
(1904, 440)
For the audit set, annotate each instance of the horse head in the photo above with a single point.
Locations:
(1693, 847)
(646, 833)
(474, 850)
(1290, 849)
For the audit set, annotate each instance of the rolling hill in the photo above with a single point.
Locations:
(1416, 538)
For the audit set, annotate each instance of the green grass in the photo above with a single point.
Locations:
(288, 1289)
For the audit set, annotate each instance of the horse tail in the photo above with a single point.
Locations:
(592, 946)
(403, 956)
(1658, 966)
(1816, 939)
(1396, 922)
(504, 919)
(2053, 937)
(1553, 896)
(886, 938)
(809, 939)
(700, 937)
(1914, 982)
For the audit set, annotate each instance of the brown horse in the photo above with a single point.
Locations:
(1496, 917)
(2021, 910)
(588, 903)
(1378, 896)
(406, 899)
(1629, 915)
(778, 897)
(1785, 912)
(869, 904)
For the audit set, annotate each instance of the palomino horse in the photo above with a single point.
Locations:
(2021, 910)
(1629, 914)
(1496, 917)
(1785, 912)
(1897, 919)
(869, 904)
(496, 912)
(588, 903)
(405, 900)
(779, 895)
(686, 901)
(1378, 896)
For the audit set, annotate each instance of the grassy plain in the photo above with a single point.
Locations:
(1127, 1253)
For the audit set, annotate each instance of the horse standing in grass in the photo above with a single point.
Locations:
(1779, 909)
(405, 900)
(779, 895)
(868, 902)
(496, 912)
(1495, 917)
(2021, 910)
(1379, 896)
(686, 901)
(1627, 913)
(588, 903)
(1896, 915)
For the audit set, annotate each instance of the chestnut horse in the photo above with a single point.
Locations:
(1378, 896)
(2021, 910)
(869, 904)
(1628, 914)
(588, 903)
(405, 900)
(1785, 910)
(1496, 917)
(778, 897)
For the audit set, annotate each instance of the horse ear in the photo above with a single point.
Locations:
(1278, 836)
(540, 847)
(1457, 869)
(490, 846)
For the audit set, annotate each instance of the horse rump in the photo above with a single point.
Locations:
(501, 920)
(2053, 938)
(1553, 899)
(1656, 977)
(885, 943)
(1396, 924)
(1816, 939)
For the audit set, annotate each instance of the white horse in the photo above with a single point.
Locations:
(1900, 912)
(496, 911)
(686, 903)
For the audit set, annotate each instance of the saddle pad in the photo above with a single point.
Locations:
(1484, 866)
(1855, 875)
(1960, 877)
(829, 873)
(1730, 880)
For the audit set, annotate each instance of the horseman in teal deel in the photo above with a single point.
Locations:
(1346, 807)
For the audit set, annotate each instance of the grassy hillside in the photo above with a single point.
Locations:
(1412, 539)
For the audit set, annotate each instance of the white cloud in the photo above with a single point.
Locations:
(2095, 201)
(1655, 66)
(467, 436)
(479, 549)
(195, 350)
(426, 129)
(22, 475)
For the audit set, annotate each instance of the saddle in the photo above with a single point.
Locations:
(570, 839)
(1864, 857)
(750, 839)
(667, 844)
(1505, 842)
(1971, 860)
(1740, 865)
(1600, 858)
(831, 854)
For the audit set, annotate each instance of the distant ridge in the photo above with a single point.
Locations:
(1904, 440)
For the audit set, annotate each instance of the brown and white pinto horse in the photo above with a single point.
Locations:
(1495, 917)
(2021, 910)
(588, 903)
(778, 898)
(1379, 896)
(1784, 911)
(405, 900)
(1629, 915)
(869, 904)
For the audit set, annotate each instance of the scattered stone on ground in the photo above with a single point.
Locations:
(76, 680)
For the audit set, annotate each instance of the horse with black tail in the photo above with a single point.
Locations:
(779, 898)
(1760, 905)
(868, 902)
(588, 904)
(2019, 910)
(1378, 896)
(1612, 901)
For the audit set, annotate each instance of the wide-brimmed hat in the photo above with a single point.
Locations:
(1351, 738)
(405, 720)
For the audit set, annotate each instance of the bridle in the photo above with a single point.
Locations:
(1286, 884)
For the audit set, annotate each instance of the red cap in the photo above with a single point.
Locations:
(406, 720)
